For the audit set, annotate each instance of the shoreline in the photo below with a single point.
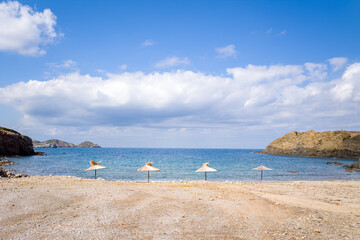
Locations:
(281, 176)
(58, 207)
(17, 174)
(24, 175)
(194, 181)
(180, 181)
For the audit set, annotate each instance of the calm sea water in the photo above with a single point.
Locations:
(180, 164)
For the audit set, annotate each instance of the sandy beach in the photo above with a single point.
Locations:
(63, 207)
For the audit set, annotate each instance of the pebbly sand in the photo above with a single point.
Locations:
(62, 207)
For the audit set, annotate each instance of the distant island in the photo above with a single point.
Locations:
(13, 143)
(330, 144)
(55, 143)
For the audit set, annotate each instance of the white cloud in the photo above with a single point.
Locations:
(283, 97)
(65, 64)
(283, 32)
(123, 67)
(147, 43)
(172, 61)
(269, 30)
(347, 88)
(253, 74)
(69, 63)
(228, 51)
(317, 71)
(56, 68)
(337, 63)
(25, 31)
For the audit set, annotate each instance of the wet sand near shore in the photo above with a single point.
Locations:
(63, 207)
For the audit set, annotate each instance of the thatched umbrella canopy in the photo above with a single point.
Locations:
(205, 168)
(262, 168)
(95, 166)
(148, 167)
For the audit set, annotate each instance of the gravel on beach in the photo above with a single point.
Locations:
(64, 207)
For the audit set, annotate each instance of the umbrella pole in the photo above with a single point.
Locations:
(148, 176)
(95, 173)
(261, 175)
(205, 176)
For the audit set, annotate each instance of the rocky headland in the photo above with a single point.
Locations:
(13, 143)
(330, 144)
(55, 143)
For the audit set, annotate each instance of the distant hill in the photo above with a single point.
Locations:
(55, 143)
(337, 144)
(88, 144)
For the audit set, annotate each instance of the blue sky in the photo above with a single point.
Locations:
(227, 74)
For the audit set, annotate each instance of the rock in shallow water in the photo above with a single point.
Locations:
(334, 163)
(355, 166)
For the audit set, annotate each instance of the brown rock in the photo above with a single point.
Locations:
(3, 173)
(334, 163)
(355, 166)
(13, 143)
(6, 162)
(6, 173)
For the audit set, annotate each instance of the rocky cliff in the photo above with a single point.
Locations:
(338, 144)
(13, 143)
(55, 143)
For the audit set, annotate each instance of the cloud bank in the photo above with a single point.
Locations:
(262, 97)
(25, 31)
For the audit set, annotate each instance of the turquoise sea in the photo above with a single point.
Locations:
(180, 164)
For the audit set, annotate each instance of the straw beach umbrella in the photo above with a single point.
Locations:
(95, 166)
(205, 168)
(261, 168)
(148, 167)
